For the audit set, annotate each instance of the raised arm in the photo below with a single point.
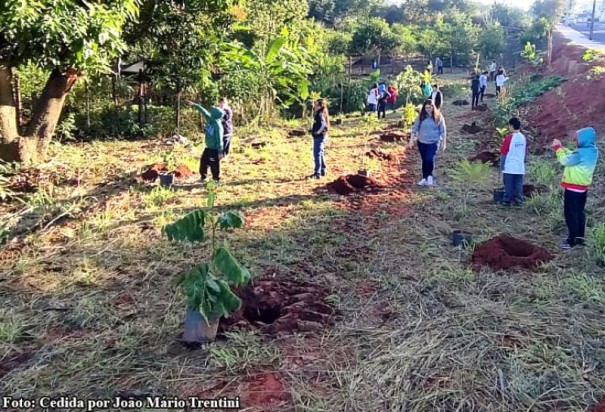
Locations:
(200, 109)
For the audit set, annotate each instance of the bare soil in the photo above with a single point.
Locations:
(278, 307)
(394, 136)
(471, 128)
(461, 102)
(379, 154)
(345, 185)
(153, 171)
(486, 157)
(506, 252)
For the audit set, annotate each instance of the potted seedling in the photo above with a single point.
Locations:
(208, 286)
(167, 177)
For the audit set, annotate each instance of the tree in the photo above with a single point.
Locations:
(508, 16)
(66, 37)
(491, 40)
(460, 34)
(375, 36)
(551, 11)
(406, 40)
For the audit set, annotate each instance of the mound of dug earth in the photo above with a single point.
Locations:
(345, 185)
(531, 190)
(297, 133)
(481, 108)
(378, 154)
(489, 95)
(505, 252)
(153, 171)
(460, 103)
(471, 128)
(486, 157)
(394, 136)
(281, 307)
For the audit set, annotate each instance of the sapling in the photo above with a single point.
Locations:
(207, 286)
(470, 175)
(371, 124)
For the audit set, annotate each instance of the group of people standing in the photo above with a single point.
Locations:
(479, 82)
(379, 97)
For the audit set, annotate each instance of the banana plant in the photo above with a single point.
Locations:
(284, 65)
(207, 286)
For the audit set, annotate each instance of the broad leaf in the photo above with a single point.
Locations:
(193, 284)
(230, 302)
(190, 227)
(303, 89)
(274, 48)
(231, 220)
(230, 268)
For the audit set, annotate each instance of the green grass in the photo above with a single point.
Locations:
(89, 307)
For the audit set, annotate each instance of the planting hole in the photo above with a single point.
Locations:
(265, 314)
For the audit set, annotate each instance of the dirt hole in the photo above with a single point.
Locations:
(533, 190)
(281, 307)
(481, 108)
(486, 157)
(379, 154)
(504, 252)
(297, 133)
(394, 136)
(153, 171)
(345, 185)
(471, 128)
(460, 103)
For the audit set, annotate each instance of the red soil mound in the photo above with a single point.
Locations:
(531, 190)
(182, 172)
(471, 128)
(486, 157)
(345, 185)
(153, 171)
(394, 136)
(281, 307)
(504, 252)
(560, 112)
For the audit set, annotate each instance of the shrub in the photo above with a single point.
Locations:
(596, 243)
(409, 116)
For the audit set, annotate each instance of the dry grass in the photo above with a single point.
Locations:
(89, 309)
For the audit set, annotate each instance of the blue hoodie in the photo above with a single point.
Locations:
(579, 164)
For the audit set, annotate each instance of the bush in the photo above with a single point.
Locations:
(596, 243)
(409, 116)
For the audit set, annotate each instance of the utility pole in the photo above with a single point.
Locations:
(594, 6)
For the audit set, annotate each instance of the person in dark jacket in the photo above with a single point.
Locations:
(214, 141)
(227, 124)
(321, 125)
(476, 90)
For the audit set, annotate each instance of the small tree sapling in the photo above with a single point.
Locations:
(207, 286)
(470, 176)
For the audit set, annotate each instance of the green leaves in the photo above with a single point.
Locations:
(190, 227)
(274, 48)
(231, 220)
(194, 284)
(230, 268)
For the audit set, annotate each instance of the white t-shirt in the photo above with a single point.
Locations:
(515, 158)
(492, 67)
(373, 96)
(500, 80)
(483, 80)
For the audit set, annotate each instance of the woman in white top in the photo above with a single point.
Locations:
(500, 80)
(373, 98)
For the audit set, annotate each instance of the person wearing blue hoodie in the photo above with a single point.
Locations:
(579, 169)
(213, 152)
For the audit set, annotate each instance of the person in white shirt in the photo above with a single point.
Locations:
(500, 80)
(483, 84)
(492, 71)
(512, 163)
(373, 98)
(437, 97)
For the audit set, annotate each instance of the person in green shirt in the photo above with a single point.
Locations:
(213, 153)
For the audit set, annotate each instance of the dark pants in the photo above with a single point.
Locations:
(492, 76)
(476, 94)
(226, 144)
(439, 69)
(319, 144)
(482, 92)
(575, 218)
(498, 89)
(211, 158)
(371, 107)
(428, 152)
(513, 188)
(382, 108)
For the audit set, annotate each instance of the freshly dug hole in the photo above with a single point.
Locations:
(394, 136)
(345, 185)
(153, 171)
(504, 252)
(481, 108)
(380, 155)
(280, 307)
(471, 128)
(297, 133)
(486, 157)
(460, 103)
(531, 190)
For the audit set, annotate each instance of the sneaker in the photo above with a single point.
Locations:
(430, 181)
(565, 245)
(203, 180)
(422, 182)
(217, 183)
(323, 173)
(314, 177)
